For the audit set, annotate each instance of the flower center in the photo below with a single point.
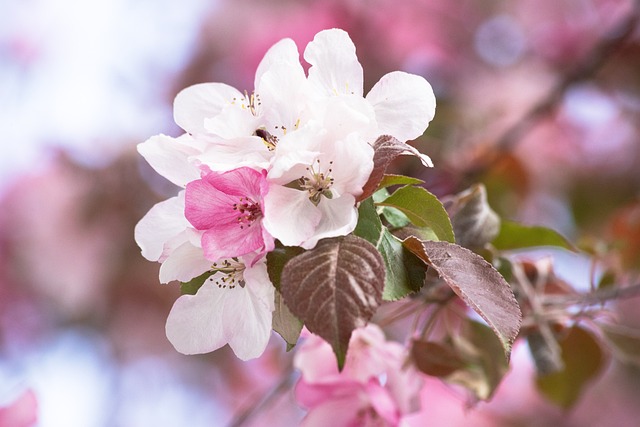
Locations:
(248, 212)
(233, 274)
(249, 102)
(317, 183)
(268, 139)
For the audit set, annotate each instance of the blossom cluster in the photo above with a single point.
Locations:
(284, 163)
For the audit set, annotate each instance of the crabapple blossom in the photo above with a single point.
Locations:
(374, 388)
(227, 207)
(315, 178)
(234, 306)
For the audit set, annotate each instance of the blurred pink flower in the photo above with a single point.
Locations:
(374, 388)
(22, 412)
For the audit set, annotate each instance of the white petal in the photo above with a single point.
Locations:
(196, 103)
(170, 157)
(283, 96)
(235, 153)
(334, 65)
(352, 163)
(194, 324)
(339, 218)
(184, 263)
(164, 222)
(248, 318)
(346, 114)
(404, 104)
(289, 216)
(285, 51)
(234, 121)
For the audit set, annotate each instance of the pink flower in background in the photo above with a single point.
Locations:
(228, 208)
(374, 388)
(22, 412)
(234, 306)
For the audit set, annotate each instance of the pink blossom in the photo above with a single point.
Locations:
(228, 208)
(22, 412)
(374, 388)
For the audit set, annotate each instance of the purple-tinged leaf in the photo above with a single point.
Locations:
(475, 281)
(436, 359)
(474, 222)
(583, 359)
(386, 149)
(335, 288)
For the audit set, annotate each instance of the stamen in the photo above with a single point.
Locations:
(249, 212)
(317, 183)
(233, 274)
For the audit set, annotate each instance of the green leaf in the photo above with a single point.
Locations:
(191, 287)
(276, 260)
(369, 226)
(516, 236)
(583, 359)
(335, 288)
(390, 179)
(405, 271)
(285, 323)
(423, 209)
(475, 281)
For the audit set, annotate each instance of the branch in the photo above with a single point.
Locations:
(264, 401)
(608, 45)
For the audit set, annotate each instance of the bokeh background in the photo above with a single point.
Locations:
(538, 99)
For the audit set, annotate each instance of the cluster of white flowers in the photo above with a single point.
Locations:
(285, 163)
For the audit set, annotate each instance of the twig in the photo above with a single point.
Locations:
(608, 45)
(265, 400)
(596, 297)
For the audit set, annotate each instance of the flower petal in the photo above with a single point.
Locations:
(283, 52)
(233, 121)
(334, 65)
(170, 157)
(289, 216)
(196, 103)
(249, 151)
(352, 164)
(338, 218)
(183, 264)
(160, 225)
(228, 239)
(247, 322)
(195, 322)
(404, 104)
